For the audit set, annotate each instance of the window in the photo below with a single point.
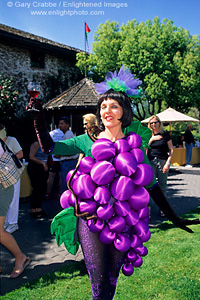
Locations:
(37, 59)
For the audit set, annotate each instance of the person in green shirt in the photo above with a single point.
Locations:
(114, 115)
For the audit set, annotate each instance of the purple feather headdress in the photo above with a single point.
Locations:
(124, 81)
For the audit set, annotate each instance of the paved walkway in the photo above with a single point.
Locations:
(36, 241)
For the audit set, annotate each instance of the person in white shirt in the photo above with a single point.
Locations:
(6, 239)
(67, 162)
(11, 222)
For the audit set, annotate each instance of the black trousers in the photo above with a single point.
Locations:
(38, 178)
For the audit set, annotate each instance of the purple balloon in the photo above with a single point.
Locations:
(138, 154)
(67, 199)
(143, 175)
(86, 164)
(103, 149)
(138, 262)
(88, 206)
(141, 250)
(131, 256)
(135, 241)
(121, 146)
(144, 213)
(122, 188)
(141, 229)
(147, 220)
(122, 242)
(102, 195)
(102, 172)
(145, 237)
(132, 218)
(105, 212)
(95, 225)
(134, 140)
(116, 224)
(125, 163)
(139, 199)
(127, 269)
(69, 174)
(84, 187)
(106, 236)
(122, 208)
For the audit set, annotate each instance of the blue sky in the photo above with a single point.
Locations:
(62, 27)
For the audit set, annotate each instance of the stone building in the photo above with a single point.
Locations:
(26, 57)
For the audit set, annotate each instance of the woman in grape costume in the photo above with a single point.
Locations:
(109, 191)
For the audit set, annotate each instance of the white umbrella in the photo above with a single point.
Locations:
(172, 115)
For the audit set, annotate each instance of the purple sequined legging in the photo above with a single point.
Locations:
(103, 263)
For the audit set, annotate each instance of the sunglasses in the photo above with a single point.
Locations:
(154, 122)
(85, 123)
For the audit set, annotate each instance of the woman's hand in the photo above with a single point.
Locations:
(34, 103)
(45, 167)
(166, 168)
(155, 138)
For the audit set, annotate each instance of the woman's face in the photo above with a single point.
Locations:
(85, 124)
(155, 124)
(111, 113)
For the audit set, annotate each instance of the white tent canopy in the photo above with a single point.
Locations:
(171, 115)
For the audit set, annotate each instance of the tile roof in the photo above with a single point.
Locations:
(82, 94)
(4, 29)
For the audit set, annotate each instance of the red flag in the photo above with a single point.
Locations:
(87, 30)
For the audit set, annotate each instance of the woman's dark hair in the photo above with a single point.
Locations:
(123, 100)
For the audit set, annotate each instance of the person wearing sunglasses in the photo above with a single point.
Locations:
(89, 122)
(160, 152)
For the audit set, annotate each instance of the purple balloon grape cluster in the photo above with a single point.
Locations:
(111, 186)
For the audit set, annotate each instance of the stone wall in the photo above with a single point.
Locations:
(58, 74)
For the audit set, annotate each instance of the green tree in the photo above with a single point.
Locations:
(164, 57)
(106, 47)
(8, 98)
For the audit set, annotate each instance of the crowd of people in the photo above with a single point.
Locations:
(114, 113)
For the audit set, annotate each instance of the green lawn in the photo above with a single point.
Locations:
(171, 271)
